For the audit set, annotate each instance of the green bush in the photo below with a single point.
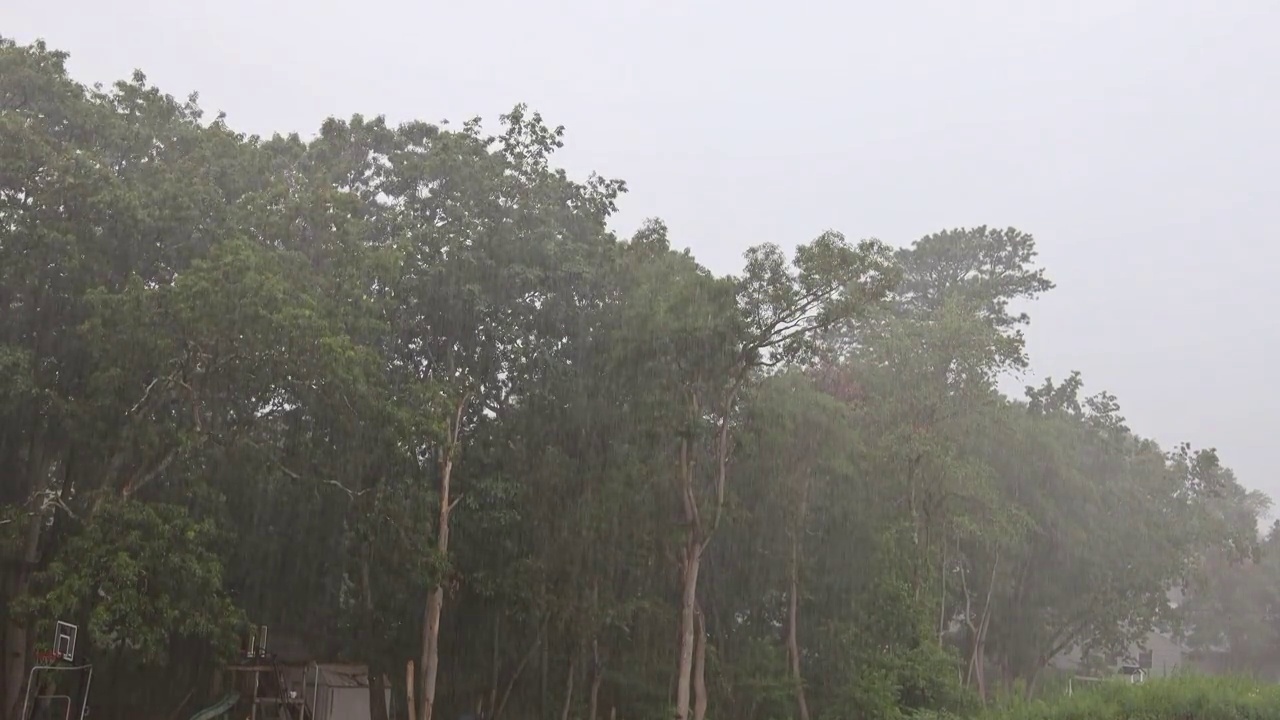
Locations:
(1181, 698)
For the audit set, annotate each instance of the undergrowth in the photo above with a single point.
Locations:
(1179, 698)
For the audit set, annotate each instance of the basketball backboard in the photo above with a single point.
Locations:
(64, 641)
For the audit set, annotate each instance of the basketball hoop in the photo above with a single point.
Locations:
(61, 659)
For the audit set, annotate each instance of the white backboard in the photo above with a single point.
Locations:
(64, 640)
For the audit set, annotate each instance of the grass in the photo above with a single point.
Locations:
(1178, 698)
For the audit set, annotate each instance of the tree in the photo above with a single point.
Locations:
(794, 442)
(716, 335)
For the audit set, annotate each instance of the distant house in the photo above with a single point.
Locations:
(1162, 657)
(1159, 654)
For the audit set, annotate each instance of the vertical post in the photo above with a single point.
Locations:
(315, 695)
(26, 699)
(84, 697)
(253, 709)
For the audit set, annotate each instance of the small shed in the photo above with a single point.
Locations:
(332, 691)
(285, 684)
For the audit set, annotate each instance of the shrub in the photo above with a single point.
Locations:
(1181, 698)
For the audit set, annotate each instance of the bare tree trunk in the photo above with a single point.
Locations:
(544, 692)
(568, 690)
(1034, 682)
(793, 621)
(917, 581)
(493, 683)
(377, 697)
(593, 701)
(524, 661)
(410, 679)
(942, 595)
(688, 601)
(377, 692)
(700, 667)
(1007, 674)
(435, 601)
(968, 621)
(597, 678)
(430, 652)
(690, 567)
(980, 641)
(698, 535)
(979, 664)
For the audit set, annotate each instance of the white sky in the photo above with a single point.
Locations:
(1134, 138)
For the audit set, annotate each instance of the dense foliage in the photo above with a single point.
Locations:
(400, 393)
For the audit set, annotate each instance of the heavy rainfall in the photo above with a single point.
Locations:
(359, 416)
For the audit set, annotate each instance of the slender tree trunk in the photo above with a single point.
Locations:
(980, 649)
(435, 601)
(700, 667)
(980, 652)
(1034, 682)
(793, 621)
(568, 689)
(1007, 674)
(493, 683)
(942, 594)
(980, 667)
(593, 701)
(688, 621)
(978, 657)
(690, 566)
(377, 691)
(377, 697)
(430, 652)
(524, 661)
(698, 535)
(410, 679)
(913, 505)
(597, 678)
(967, 679)
(544, 682)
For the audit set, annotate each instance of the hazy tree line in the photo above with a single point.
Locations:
(401, 392)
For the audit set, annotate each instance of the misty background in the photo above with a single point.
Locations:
(1134, 139)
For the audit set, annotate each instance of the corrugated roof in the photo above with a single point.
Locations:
(351, 676)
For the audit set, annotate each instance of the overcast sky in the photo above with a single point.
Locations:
(1135, 139)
